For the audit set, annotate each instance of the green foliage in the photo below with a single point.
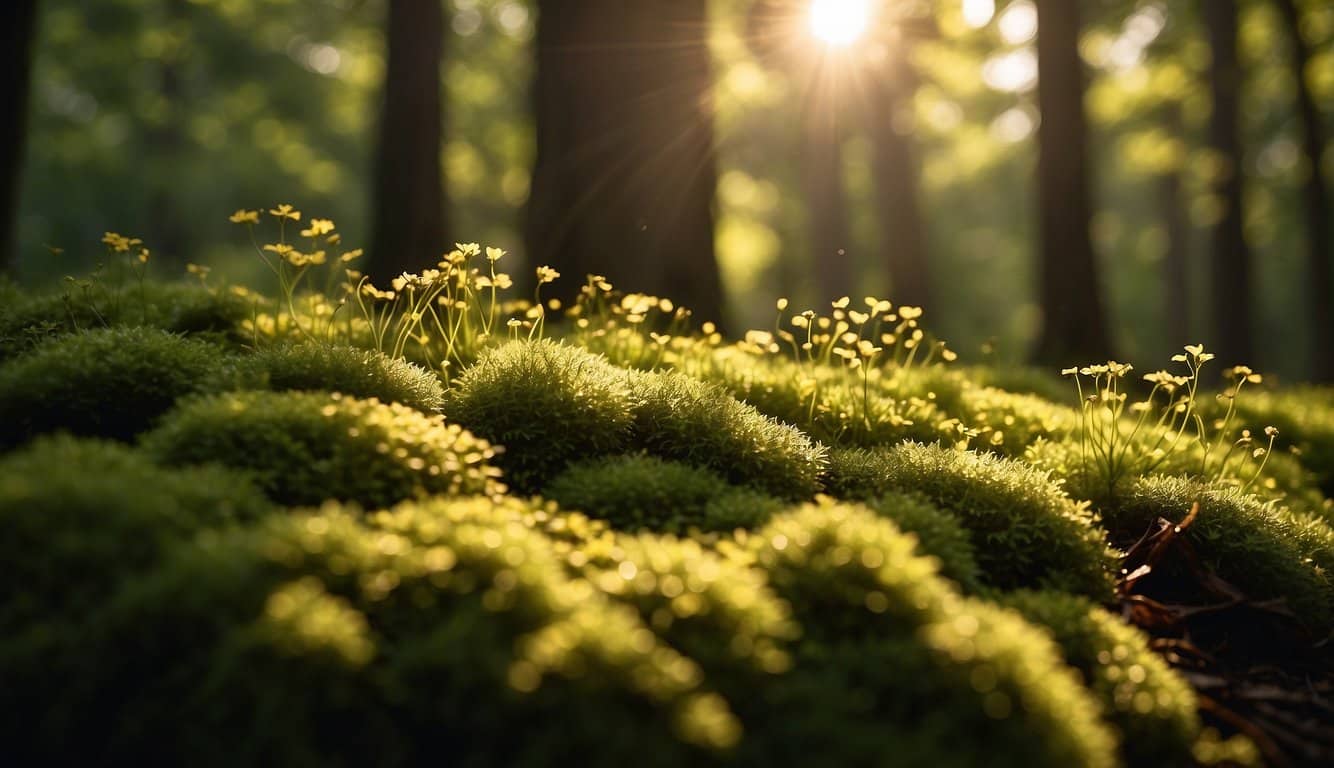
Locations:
(111, 383)
(303, 448)
(431, 632)
(1304, 417)
(939, 534)
(548, 404)
(1025, 531)
(883, 635)
(351, 371)
(1266, 553)
(681, 418)
(81, 518)
(1151, 707)
(644, 492)
(28, 320)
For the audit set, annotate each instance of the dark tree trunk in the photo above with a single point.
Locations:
(1073, 329)
(1176, 268)
(903, 239)
(1231, 263)
(821, 151)
(16, 53)
(168, 235)
(1319, 243)
(409, 207)
(624, 180)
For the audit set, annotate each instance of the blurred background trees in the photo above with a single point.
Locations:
(650, 141)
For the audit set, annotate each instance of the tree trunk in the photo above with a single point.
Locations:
(1319, 243)
(903, 239)
(16, 53)
(821, 151)
(408, 233)
(1231, 267)
(1073, 329)
(169, 234)
(1176, 269)
(623, 185)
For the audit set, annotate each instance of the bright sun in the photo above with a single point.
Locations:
(839, 22)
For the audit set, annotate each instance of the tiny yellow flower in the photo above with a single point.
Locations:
(143, 255)
(494, 254)
(546, 275)
(242, 216)
(282, 249)
(351, 255)
(285, 211)
(318, 227)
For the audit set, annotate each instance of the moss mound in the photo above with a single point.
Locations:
(1268, 554)
(362, 373)
(1150, 705)
(112, 383)
(441, 631)
(939, 534)
(1026, 533)
(681, 418)
(548, 404)
(304, 448)
(645, 492)
(176, 307)
(883, 635)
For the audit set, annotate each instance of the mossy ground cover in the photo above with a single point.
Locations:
(448, 526)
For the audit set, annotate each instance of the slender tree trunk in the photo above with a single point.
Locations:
(1315, 193)
(821, 152)
(1176, 270)
(169, 232)
(903, 237)
(16, 53)
(409, 207)
(1231, 266)
(624, 180)
(1073, 328)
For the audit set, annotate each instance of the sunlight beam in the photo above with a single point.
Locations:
(839, 23)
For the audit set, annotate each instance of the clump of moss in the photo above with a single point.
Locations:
(645, 492)
(684, 419)
(1266, 553)
(1148, 703)
(433, 631)
(548, 404)
(112, 383)
(1025, 531)
(176, 307)
(1304, 417)
(882, 635)
(304, 448)
(351, 371)
(939, 534)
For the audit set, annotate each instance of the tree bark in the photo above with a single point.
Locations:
(16, 54)
(408, 231)
(624, 181)
(1315, 198)
(1231, 264)
(821, 151)
(1176, 269)
(903, 237)
(1073, 329)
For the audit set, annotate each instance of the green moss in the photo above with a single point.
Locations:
(1304, 417)
(111, 383)
(1264, 552)
(939, 534)
(352, 371)
(1149, 704)
(177, 307)
(681, 418)
(303, 448)
(1025, 531)
(441, 631)
(644, 492)
(883, 635)
(548, 404)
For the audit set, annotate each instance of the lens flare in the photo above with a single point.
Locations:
(839, 22)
